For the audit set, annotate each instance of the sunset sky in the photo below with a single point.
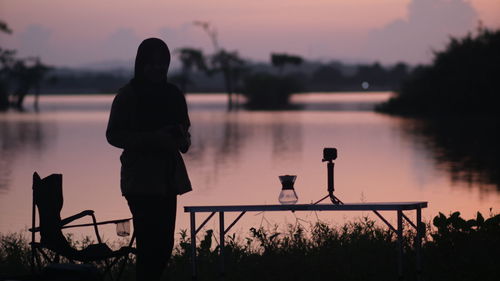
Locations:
(76, 33)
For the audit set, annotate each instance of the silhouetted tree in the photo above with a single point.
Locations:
(4, 27)
(374, 74)
(211, 32)
(461, 80)
(190, 59)
(327, 78)
(6, 61)
(399, 71)
(281, 60)
(228, 63)
(232, 67)
(270, 91)
(28, 74)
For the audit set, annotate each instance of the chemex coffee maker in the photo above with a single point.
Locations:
(288, 194)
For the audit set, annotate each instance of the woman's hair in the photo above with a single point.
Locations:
(145, 54)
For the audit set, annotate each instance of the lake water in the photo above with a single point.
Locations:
(236, 158)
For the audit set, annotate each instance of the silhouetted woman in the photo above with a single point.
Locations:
(149, 121)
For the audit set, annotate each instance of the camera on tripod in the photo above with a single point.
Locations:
(329, 154)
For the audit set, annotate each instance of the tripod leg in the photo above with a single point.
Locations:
(321, 199)
(335, 200)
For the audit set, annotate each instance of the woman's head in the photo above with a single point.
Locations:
(152, 60)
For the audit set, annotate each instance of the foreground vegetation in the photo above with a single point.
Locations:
(453, 249)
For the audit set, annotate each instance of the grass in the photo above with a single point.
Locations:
(453, 249)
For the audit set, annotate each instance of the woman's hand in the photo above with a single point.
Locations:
(174, 137)
(165, 138)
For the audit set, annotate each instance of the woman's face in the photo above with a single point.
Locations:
(156, 69)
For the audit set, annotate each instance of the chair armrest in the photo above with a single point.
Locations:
(36, 229)
(69, 219)
(97, 223)
(77, 216)
(114, 221)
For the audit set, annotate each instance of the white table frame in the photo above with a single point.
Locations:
(399, 207)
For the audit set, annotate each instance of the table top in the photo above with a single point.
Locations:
(378, 206)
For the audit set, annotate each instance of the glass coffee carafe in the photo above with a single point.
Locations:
(287, 194)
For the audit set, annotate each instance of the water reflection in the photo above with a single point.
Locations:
(287, 137)
(21, 134)
(466, 148)
(236, 158)
(220, 138)
(216, 141)
(339, 101)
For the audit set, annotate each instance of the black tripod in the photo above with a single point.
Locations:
(330, 154)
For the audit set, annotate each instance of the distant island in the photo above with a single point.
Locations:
(314, 77)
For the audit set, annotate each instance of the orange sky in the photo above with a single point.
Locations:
(81, 32)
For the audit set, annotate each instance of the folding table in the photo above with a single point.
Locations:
(398, 207)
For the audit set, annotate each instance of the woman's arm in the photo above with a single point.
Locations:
(120, 134)
(184, 126)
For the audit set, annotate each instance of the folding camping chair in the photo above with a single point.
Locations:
(48, 199)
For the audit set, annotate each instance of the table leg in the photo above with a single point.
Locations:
(193, 244)
(221, 243)
(418, 245)
(400, 244)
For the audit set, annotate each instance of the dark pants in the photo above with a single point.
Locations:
(154, 225)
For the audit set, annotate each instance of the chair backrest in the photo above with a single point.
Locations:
(48, 198)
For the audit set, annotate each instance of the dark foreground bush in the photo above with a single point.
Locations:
(454, 249)
(464, 249)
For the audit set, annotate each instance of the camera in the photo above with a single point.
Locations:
(329, 154)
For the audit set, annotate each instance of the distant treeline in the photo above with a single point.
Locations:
(313, 76)
(83, 82)
(462, 80)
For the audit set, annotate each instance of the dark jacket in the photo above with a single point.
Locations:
(149, 127)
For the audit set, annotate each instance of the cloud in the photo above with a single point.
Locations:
(428, 26)
(120, 44)
(184, 35)
(118, 48)
(34, 40)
